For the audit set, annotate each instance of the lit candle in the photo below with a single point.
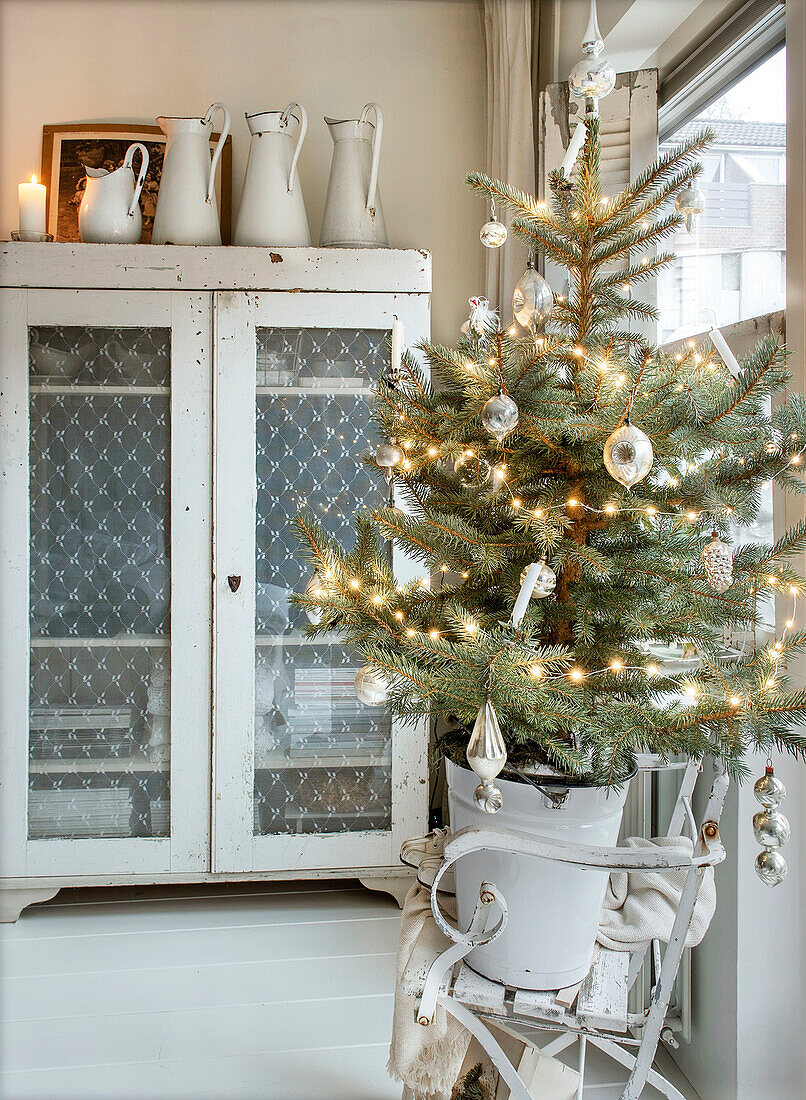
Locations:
(32, 206)
(397, 346)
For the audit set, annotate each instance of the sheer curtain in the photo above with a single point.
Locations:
(508, 36)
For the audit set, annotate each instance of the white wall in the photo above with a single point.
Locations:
(130, 60)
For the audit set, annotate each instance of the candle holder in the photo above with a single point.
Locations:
(27, 236)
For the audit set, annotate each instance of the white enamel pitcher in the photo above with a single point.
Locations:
(272, 209)
(353, 216)
(110, 207)
(187, 211)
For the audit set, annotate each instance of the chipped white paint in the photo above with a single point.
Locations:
(212, 631)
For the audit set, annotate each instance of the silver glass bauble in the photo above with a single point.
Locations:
(487, 755)
(314, 588)
(628, 455)
(771, 829)
(472, 470)
(370, 687)
(690, 202)
(493, 233)
(545, 583)
(769, 790)
(500, 416)
(592, 78)
(718, 561)
(771, 867)
(389, 454)
(532, 299)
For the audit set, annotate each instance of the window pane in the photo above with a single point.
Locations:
(729, 268)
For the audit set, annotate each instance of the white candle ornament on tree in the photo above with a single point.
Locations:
(628, 454)
(487, 755)
(314, 588)
(393, 375)
(500, 415)
(728, 358)
(718, 561)
(574, 148)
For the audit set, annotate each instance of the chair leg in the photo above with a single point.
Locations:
(624, 1058)
(517, 1089)
(583, 1045)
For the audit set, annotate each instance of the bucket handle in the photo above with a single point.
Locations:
(208, 118)
(376, 150)
(303, 129)
(127, 163)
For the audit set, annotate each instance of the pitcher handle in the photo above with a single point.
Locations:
(376, 149)
(303, 129)
(208, 118)
(127, 163)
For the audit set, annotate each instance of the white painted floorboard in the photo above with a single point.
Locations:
(254, 992)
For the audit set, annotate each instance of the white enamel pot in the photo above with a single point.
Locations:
(554, 908)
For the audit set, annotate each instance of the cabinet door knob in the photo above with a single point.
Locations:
(234, 582)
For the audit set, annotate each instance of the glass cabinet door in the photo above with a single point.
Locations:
(99, 698)
(108, 605)
(305, 776)
(322, 761)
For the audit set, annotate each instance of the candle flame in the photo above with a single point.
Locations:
(33, 178)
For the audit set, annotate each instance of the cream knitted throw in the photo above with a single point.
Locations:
(425, 1059)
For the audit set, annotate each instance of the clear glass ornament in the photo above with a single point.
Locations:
(493, 233)
(546, 581)
(592, 78)
(314, 588)
(370, 687)
(532, 299)
(690, 202)
(472, 470)
(718, 561)
(771, 829)
(769, 790)
(628, 455)
(388, 455)
(500, 415)
(487, 755)
(771, 867)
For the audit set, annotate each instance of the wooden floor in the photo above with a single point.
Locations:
(253, 992)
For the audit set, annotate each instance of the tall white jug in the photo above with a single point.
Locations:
(353, 216)
(272, 209)
(187, 211)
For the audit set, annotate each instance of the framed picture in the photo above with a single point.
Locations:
(67, 149)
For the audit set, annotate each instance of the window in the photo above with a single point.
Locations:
(730, 268)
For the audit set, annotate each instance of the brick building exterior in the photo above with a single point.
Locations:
(732, 266)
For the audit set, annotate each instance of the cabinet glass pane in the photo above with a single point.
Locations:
(99, 742)
(322, 760)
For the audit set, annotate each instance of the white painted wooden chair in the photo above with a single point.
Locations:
(599, 1014)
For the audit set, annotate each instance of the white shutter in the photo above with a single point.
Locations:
(629, 134)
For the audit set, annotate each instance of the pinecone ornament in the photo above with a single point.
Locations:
(718, 561)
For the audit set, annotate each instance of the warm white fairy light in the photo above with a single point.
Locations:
(355, 583)
(399, 616)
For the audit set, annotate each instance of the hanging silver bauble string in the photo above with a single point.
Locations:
(770, 828)
(487, 755)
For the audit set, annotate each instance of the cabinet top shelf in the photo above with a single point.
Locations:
(200, 268)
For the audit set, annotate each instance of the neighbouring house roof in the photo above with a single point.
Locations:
(735, 132)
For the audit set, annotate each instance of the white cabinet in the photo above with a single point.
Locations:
(166, 412)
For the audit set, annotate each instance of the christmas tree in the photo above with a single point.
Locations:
(498, 450)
